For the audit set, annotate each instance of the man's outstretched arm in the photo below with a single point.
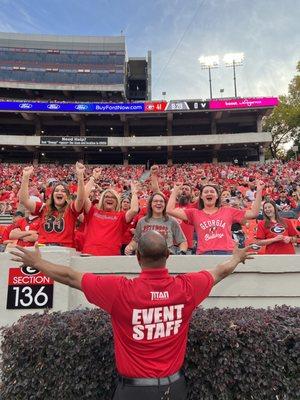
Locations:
(60, 273)
(226, 268)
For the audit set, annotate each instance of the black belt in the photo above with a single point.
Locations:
(151, 381)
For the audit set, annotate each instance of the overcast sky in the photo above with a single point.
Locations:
(178, 32)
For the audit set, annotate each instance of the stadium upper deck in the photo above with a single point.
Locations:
(64, 67)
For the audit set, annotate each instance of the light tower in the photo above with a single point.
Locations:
(208, 62)
(234, 60)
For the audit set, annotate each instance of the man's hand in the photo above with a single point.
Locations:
(27, 171)
(241, 255)
(79, 168)
(224, 269)
(30, 258)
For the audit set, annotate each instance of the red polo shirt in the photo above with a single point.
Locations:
(150, 317)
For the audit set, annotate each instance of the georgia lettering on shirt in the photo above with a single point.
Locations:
(156, 322)
(212, 226)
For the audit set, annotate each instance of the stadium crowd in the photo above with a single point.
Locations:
(200, 208)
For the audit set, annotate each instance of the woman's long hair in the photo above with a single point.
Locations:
(51, 207)
(149, 207)
(101, 199)
(277, 217)
(218, 201)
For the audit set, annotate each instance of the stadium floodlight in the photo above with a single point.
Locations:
(234, 60)
(209, 62)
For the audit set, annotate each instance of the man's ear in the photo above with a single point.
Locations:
(167, 254)
(138, 255)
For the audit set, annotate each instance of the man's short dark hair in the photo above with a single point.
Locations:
(152, 249)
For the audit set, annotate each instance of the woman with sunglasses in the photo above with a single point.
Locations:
(276, 233)
(213, 222)
(105, 222)
(59, 214)
(157, 220)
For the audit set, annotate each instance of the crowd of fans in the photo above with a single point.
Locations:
(199, 208)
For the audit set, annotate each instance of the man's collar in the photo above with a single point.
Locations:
(153, 273)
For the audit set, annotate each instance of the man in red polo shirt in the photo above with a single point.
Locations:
(150, 314)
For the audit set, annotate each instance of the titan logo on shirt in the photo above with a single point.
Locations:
(156, 322)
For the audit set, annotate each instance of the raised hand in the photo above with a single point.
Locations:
(27, 257)
(260, 185)
(177, 187)
(241, 255)
(133, 187)
(27, 171)
(154, 170)
(79, 168)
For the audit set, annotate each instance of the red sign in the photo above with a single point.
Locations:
(155, 106)
(30, 276)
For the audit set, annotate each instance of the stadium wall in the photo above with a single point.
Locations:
(263, 282)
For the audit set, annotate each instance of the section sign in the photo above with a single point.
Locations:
(29, 288)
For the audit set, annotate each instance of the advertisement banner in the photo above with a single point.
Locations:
(56, 107)
(74, 140)
(254, 102)
(29, 288)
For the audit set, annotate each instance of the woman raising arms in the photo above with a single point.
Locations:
(105, 223)
(277, 234)
(157, 220)
(211, 221)
(59, 214)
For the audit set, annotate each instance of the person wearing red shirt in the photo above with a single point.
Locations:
(58, 215)
(26, 231)
(105, 224)
(211, 221)
(277, 234)
(150, 314)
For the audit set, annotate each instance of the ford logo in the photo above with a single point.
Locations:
(53, 106)
(25, 106)
(81, 107)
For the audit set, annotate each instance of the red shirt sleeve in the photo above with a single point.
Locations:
(38, 208)
(260, 233)
(101, 290)
(291, 228)
(201, 283)
(190, 212)
(72, 208)
(237, 215)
